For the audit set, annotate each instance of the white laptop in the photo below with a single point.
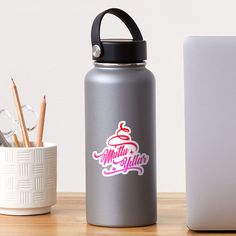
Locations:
(210, 117)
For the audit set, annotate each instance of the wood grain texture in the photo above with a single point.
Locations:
(68, 218)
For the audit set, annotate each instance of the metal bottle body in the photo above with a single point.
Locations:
(114, 94)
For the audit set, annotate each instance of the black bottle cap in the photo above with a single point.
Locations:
(118, 50)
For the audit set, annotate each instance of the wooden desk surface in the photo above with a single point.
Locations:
(68, 218)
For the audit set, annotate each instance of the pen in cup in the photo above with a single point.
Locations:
(3, 140)
(15, 140)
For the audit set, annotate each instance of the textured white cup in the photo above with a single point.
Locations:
(28, 178)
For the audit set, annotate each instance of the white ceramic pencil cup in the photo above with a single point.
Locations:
(28, 178)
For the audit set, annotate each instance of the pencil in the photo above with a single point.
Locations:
(20, 115)
(39, 139)
(15, 140)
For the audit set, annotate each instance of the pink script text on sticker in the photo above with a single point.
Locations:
(121, 155)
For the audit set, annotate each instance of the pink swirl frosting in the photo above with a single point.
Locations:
(121, 155)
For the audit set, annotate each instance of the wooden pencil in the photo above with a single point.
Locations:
(39, 140)
(15, 140)
(20, 115)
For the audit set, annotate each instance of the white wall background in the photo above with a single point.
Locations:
(45, 46)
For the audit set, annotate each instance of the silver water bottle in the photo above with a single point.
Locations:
(120, 131)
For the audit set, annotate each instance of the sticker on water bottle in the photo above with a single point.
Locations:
(121, 154)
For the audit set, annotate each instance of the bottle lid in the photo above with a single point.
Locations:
(118, 50)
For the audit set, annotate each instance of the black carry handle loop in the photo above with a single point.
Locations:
(124, 17)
